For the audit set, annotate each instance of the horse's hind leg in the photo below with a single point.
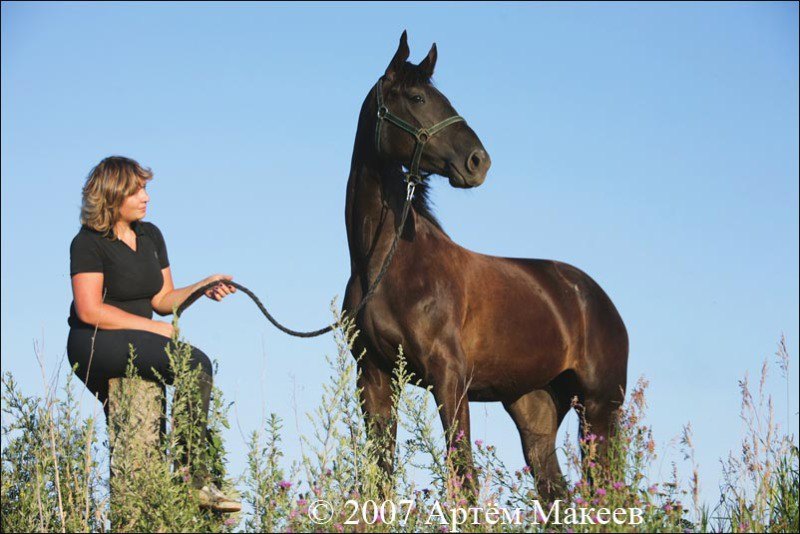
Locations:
(601, 401)
(599, 419)
(601, 397)
(538, 415)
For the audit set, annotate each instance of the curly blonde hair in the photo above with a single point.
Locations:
(109, 183)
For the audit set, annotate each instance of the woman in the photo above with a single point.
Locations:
(121, 274)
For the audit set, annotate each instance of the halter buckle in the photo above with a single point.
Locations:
(410, 186)
(382, 111)
(411, 178)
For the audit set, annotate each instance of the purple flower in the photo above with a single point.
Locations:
(185, 474)
(460, 435)
(668, 507)
(601, 492)
(479, 442)
(618, 485)
(653, 488)
(231, 521)
(284, 484)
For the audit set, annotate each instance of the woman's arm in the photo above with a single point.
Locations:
(170, 298)
(87, 291)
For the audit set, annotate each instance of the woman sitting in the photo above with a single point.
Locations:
(120, 274)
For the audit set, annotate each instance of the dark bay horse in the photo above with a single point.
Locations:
(529, 333)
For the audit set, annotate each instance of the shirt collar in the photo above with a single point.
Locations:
(137, 227)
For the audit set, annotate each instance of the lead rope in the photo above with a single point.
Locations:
(314, 333)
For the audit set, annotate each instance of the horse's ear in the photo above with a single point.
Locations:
(427, 65)
(399, 58)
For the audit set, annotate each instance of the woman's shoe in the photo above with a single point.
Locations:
(212, 498)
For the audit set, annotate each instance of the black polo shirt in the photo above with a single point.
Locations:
(130, 278)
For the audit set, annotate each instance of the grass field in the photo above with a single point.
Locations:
(55, 470)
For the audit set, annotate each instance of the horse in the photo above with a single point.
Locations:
(533, 334)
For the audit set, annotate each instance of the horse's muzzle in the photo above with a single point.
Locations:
(475, 169)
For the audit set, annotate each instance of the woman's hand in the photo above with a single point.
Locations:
(220, 291)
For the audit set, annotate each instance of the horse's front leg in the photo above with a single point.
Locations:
(447, 372)
(375, 387)
(375, 390)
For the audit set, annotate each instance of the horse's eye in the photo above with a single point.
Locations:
(418, 99)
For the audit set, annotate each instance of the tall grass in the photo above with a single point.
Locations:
(55, 472)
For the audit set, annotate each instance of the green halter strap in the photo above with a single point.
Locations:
(422, 135)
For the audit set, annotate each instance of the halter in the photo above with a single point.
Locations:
(422, 135)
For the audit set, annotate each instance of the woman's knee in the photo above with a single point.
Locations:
(199, 358)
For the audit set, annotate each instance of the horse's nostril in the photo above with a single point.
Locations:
(477, 161)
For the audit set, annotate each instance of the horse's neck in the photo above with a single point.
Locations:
(372, 216)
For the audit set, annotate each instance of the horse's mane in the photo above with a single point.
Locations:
(422, 205)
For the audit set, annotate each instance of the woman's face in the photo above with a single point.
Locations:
(135, 206)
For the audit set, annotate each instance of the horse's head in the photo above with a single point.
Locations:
(416, 126)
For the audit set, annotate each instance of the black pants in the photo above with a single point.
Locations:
(109, 359)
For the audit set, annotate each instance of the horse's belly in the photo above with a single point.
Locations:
(502, 378)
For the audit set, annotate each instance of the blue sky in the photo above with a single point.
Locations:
(655, 146)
